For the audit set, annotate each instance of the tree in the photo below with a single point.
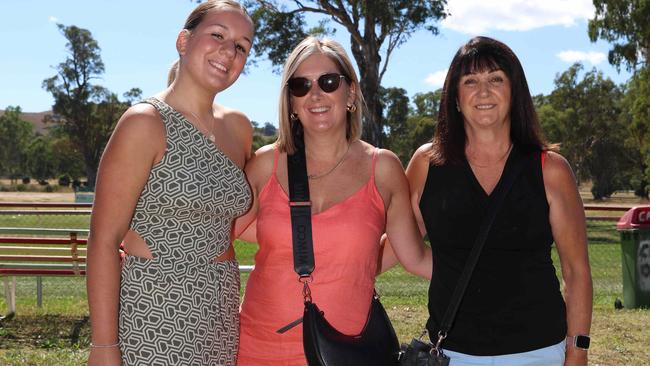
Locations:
(15, 135)
(408, 128)
(87, 113)
(376, 28)
(41, 161)
(584, 115)
(635, 112)
(624, 23)
(395, 106)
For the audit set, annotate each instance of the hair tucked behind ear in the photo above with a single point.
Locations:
(196, 17)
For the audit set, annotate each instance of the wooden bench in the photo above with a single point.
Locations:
(39, 256)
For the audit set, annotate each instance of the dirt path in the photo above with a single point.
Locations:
(36, 197)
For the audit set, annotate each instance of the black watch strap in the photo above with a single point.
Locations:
(579, 341)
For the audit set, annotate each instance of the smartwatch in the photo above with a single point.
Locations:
(579, 341)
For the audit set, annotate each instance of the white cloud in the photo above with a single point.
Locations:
(579, 56)
(53, 19)
(436, 79)
(479, 16)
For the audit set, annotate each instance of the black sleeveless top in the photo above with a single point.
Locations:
(513, 302)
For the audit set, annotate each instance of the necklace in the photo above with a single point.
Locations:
(318, 176)
(498, 161)
(209, 130)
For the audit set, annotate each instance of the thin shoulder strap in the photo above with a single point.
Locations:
(375, 154)
(276, 158)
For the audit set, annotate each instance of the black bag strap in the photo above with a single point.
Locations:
(300, 207)
(494, 203)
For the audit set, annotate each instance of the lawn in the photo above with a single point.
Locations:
(58, 333)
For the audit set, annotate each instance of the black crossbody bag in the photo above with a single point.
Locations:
(377, 344)
(421, 353)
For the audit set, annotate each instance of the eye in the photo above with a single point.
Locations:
(217, 36)
(497, 79)
(470, 81)
(240, 48)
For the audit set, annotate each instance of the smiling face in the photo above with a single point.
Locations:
(484, 98)
(318, 110)
(215, 52)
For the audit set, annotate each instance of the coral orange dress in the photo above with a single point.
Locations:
(346, 249)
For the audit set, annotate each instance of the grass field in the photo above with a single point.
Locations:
(58, 333)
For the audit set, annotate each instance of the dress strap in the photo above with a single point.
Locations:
(543, 158)
(375, 153)
(276, 158)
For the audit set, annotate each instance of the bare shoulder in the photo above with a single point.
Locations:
(235, 120)
(260, 167)
(421, 157)
(140, 124)
(559, 180)
(557, 169)
(387, 161)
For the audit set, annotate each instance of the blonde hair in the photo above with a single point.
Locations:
(196, 17)
(335, 52)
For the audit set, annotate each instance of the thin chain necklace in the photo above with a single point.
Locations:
(498, 161)
(318, 176)
(210, 131)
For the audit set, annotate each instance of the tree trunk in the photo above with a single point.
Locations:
(368, 60)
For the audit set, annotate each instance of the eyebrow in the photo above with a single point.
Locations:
(226, 28)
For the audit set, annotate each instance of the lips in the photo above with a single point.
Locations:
(219, 66)
(319, 109)
(485, 106)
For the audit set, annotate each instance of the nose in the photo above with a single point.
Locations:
(315, 91)
(228, 48)
(484, 87)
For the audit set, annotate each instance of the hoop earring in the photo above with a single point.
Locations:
(293, 116)
(352, 108)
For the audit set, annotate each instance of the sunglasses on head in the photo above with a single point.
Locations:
(299, 87)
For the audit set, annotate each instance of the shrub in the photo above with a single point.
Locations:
(64, 181)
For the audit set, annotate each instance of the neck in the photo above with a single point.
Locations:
(185, 96)
(325, 149)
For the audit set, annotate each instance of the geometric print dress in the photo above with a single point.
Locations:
(181, 308)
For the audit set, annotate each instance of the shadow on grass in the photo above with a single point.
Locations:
(45, 331)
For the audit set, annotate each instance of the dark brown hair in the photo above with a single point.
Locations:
(478, 55)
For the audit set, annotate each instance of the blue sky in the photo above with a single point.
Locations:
(137, 46)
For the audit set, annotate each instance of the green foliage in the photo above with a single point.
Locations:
(584, 115)
(85, 112)
(376, 29)
(263, 135)
(407, 128)
(635, 112)
(626, 25)
(41, 160)
(15, 135)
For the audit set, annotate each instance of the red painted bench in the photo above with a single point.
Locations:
(25, 256)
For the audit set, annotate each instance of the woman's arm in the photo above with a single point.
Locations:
(258, 170)
(401, 226)
(567, 220)
(137, 143)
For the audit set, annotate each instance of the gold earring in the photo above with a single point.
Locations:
(352, 108)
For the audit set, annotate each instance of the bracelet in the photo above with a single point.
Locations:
(92, 345)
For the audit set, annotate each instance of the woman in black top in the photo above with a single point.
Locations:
(513, 311)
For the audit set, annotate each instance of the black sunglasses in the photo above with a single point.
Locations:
(299, 87)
